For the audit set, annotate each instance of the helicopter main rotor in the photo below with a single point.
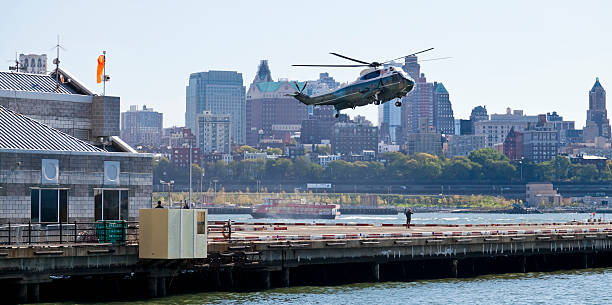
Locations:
(362, 63)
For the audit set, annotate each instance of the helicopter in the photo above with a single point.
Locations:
(376, 84)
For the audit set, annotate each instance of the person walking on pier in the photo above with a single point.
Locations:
(408, 213)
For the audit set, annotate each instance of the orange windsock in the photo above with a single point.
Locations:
(100, 67)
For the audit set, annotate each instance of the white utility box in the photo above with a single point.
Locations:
(173, 233)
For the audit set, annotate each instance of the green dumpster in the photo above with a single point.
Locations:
(111, 231)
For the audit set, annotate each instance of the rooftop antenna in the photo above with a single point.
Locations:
(16, 66)
(56, 62)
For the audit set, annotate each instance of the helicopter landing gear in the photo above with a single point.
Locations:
(398, 104)
(376, 102)
(336, 115)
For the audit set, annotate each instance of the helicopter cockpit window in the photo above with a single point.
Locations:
(371, 75)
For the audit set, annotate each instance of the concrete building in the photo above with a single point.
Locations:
(33, 63)
(270, 114)
(540, 141)
(418, 108)
(220, 92)
(462, 145)
(513, 145)
(177, 137)
(67, 105)
(180, 156)
(443, 118)
(541, 194)
(213, 132)
(319, 126)
(141, 127)
(49, 176)
(597, 123)
(496, 129)
(430, 143)
(354, 137)
(479, 113)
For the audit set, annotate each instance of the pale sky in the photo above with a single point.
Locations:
(538, 56)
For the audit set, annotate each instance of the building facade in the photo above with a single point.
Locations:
(496, 129)
(354, 137)
(49, 176)
(513, 145)
(270, 113)
(444, 120)
(462, 145)
(141, 127)
(430, 143)
(597, 123)
(220, 92)
(540, 141)
(33, 63)
(67, 105)
(213, 133)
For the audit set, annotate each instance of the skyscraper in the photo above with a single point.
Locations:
(444, 121)
(418, 107)
(142, 126)
(597, 123)
(213, 132)
(220, 92)
(270, 113)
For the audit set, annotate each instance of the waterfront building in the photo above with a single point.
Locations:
(33, 63)
(220, 92)
(270, 113)
(443, 119)
(541, 193)
(141, 127)
(462, 145)
(213, 132)
(597, 123)
(67, 105)
(49, 176)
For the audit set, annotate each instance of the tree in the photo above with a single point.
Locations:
(246, 148)
(583, 172)
(323, 149)
(274, 151)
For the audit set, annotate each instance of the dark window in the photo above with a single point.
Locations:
(111, 204)
(372, 75)
(48, 205)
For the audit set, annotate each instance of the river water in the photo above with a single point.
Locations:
(589, 286)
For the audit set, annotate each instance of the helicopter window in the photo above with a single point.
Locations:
(371, 75)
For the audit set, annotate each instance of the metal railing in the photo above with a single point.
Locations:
(104, 231)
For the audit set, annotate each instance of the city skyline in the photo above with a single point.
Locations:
(524, 57)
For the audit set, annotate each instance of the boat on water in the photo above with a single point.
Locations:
(294, 209)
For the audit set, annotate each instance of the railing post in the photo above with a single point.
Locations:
(9, 232)
(123, 231)
(75, 232)
(104, 231)
(30, 232)
(61, 231)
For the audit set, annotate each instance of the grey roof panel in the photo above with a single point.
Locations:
(33, 83)
(18, 131)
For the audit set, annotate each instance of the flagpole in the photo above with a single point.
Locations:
(104, 74)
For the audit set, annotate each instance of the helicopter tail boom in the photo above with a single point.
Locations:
(305, 99)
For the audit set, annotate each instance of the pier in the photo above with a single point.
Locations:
(263, 255)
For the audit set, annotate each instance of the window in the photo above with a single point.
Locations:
(49, 205)
(110, 204)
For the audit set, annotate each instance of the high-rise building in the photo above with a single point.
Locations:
(479, 113)
(597, 123)
(391, 116)
(430, 143)
(33, 63)
(444, 121)
(354, 137)
(540, 141)
(462, 145)
(213, 132)
(496, 129)
(141, 127)
(270, 113)
(220, 92)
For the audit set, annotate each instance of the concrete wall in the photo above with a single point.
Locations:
(80, 173)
